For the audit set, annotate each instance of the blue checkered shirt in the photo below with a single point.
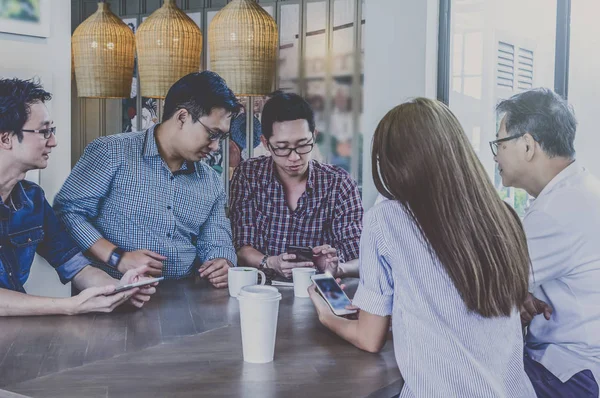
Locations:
(123, 191)
(329, 211)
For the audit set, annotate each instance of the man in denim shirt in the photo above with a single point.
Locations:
(28, 224)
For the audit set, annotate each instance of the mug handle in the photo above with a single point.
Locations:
(263, 278)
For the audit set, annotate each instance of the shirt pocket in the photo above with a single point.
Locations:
(25, 244)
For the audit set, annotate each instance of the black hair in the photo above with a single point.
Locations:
(16, 98)
(546, 116)
(285, 107)
(199, 93)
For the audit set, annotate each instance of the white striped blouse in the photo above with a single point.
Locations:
(442, 349)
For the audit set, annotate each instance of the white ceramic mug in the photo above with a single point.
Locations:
(238, 277)
(302, 280)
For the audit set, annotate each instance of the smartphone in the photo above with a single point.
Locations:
(123, 288)
(333, 294)
(303, 253)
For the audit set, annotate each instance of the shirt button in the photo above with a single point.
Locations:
(168, 207)
(168, 235)
(28, 239)
(10, 274)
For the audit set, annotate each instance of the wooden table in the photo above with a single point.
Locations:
(186, 343)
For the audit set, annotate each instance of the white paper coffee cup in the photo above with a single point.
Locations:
(259, 308)
(238, 277)
(302, 280)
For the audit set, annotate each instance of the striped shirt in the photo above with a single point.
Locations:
(123, 191)
(442, 349)
(329, 211)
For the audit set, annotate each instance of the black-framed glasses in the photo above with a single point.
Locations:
(285, 152)
(47, 133)
(494, 144)
(214, 135)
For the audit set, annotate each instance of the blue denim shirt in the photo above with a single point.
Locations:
(28, 225)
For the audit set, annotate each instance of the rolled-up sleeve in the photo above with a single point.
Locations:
(214, 240)
(347, 221)
(59, 249)
(79, 200)
(375, 293)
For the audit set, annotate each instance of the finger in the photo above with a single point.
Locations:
(529, 306)
(137, 303)
(219, 279)
(215, 266)
(148, 290)
(141, 297)
(526, 317)
(548, 313)
(154, 264)
(220, 285)
(287, 265)
(205, 265)
(219, 272)
(154, 255)
(352, 308)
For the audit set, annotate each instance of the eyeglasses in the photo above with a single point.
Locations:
(285, 152)
(45, 132)
(494, 144)
(214, 135)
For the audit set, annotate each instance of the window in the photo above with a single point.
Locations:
(496, 52)
(584, 84)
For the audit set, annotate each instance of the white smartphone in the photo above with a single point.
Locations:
(333, 294)
(120, 289)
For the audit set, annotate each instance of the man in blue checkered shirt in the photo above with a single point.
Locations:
(145, 198)
(289, 199)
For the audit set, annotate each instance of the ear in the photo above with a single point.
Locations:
(265, 143)
(530, 147)
(316, 134)
(6, 139)
(181, 116)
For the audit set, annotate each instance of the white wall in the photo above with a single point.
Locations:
(400, 63)
(50, 59)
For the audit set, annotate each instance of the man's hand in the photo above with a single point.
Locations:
(94, 299)
(326, 259)
(532, 307)
(283, 265)
(216, 272)
(141, 258)
(143, 293)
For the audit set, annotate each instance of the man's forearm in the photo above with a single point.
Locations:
(91, 276)
(20, 304)
(102, 249)
(349, 269)
(249, 257)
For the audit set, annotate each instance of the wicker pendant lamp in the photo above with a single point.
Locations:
(243, 47)
(169, 45)
(103, 54)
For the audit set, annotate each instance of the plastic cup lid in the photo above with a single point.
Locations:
(259, 292)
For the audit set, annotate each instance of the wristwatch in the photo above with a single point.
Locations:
(115, 257)
(263, 262)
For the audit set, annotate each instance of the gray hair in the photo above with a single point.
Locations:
(546, 116)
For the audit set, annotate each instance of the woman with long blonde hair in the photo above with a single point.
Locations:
(444, 259)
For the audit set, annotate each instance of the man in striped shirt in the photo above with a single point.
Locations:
(145, 198)
(289, 199)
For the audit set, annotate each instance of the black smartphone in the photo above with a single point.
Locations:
(302, 253)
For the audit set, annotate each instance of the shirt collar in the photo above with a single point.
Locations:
(19, 200)
(271, 178)
(151, 149)
(568, 172)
